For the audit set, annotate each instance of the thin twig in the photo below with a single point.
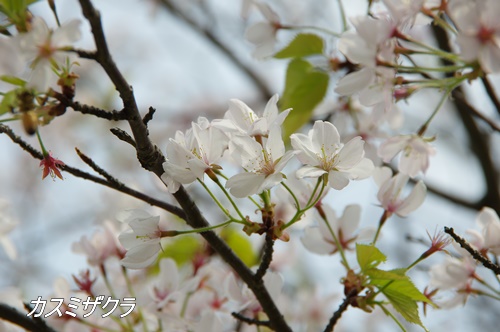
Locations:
(14, 316)
(491, 93)
(474, 253)
(87, 109)
(81, 174)
(251, 321)
(152, 159)
(267, 257)
(123, 136)
(342, 308)
(149, 116)
(474, 111)
(86, 159)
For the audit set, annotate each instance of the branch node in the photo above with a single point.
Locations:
(251, 321)
(149, 116)
(123, 136)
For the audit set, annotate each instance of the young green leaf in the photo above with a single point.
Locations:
(368, 256)
(13, 80)
(305, 88)
(302, 45)
(8, 102)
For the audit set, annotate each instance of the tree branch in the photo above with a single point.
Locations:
(81, 174)
(251, 321)
(342, 308)
(12, 315)
(152, 159)
(267, 256)
(491, 93)
(474, 253)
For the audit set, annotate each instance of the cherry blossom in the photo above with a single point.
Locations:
(263, 163)
(45, 48)
(322, 153)
(241, 119)
(489, 237)
(51, 166)
(390, 191)
(415, 152)
(190, 155)
(263, 34)
(142, 242)
(479, 31)
(320, 240)
(101, 246)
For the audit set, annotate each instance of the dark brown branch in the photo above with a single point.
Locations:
(478, 140)
(87, 109)
(81, 174)
(491, 93)
(123, 136)
(267, 257)
(210, 36)
(251, 321)
(152, 159)
(342, 308)
(98, 169)
(85, 54)
(149, 116)
(12, 315)
(474, 253)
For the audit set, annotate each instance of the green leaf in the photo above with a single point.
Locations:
(302, 45)
(383, 275)
(181, 249)
(8, 102)
(13, 80)
(403, 295)
(240, 244)
(305, 88)
(368, 256)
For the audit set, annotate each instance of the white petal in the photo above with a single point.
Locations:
(325, 138)
(338, 180)
(141, 256)
(355, 82)
(413, 201)
(245, 184)
(351, 154)
(310, 172)
(314, 241)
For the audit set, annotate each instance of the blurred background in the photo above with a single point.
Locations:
(186, 59)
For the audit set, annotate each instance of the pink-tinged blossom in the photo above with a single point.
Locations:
(263, 34)
(190, 155)
(390, 192)
(241, 119)
(100, 247)
(263, 163)
(322, 153)
(415, 152)
(51, 166)
(164, 289)
(479, 31)
(488, 239)
(45, 49)
(142, 241)
(320, 240)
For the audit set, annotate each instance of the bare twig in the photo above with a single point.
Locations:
(152, 159)
(81, 174)
(491, 93)
(480, 146)
(12, 315)
(149, 116)
(474, 253)
(267, 257)
(342, 308)
(251, 321)
(98, 169)
(123, 136)
(87, 109)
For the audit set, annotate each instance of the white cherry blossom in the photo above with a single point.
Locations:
(102, 245)
(415, 152)
(323, 153)
(479, 31)
(45, 48)
(263, 163)
(263, 34)
(241, 119)
(488, 239)
(142, 242)
(190, 155)
(320, 240)
(390, 192)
